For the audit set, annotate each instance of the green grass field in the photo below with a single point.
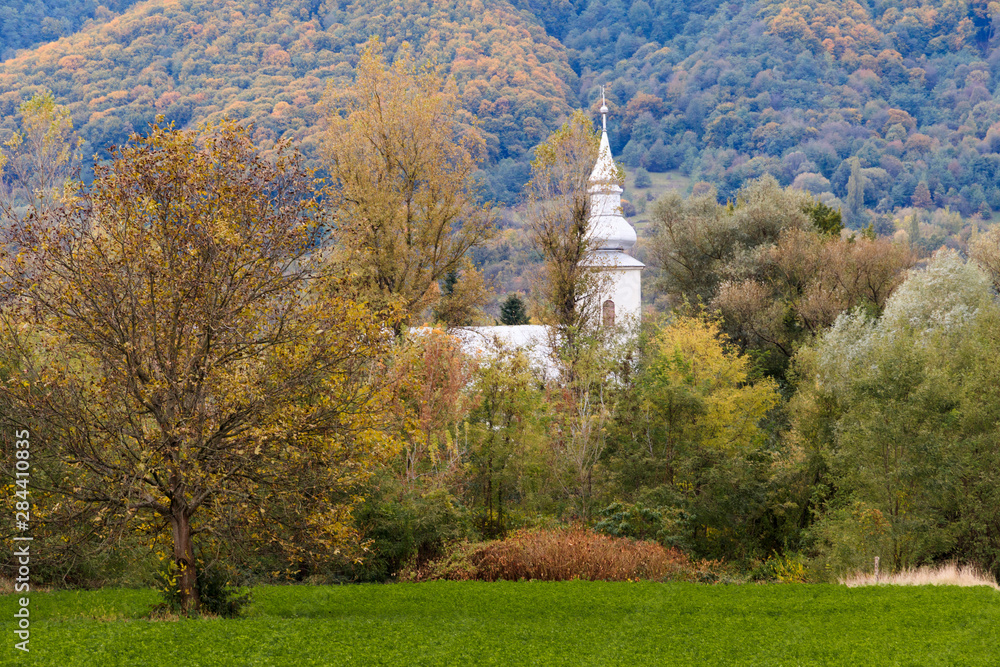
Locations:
(532, 623)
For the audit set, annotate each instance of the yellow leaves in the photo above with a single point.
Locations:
(171, 348)
(403, 189)
(37, 160)
(698, 347)
(704, 387)
(570, 152)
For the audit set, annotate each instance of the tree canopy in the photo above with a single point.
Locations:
(185, 366)
(405, 202)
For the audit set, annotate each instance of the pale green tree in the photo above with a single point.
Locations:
(39, 159)
(898, 437)
(855, 214)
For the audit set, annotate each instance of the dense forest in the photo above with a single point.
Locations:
(883, 110)
(272, 61)
(720, 91)
(812, 384)
(28, 24)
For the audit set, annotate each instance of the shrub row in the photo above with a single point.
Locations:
(561, 555)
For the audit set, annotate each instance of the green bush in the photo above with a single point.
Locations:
(216, 594)
(787, 568)
(635, 521)
(848, 539)
(642, 179)
(640, 521)
(404, 527)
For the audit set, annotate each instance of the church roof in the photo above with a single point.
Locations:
(612, 259)
(605, 171)
(533, 339)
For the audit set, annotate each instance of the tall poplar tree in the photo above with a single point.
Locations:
(403, 192)
(857, 216)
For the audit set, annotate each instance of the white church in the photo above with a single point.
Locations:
(612, 237)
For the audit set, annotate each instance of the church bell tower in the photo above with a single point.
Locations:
(611, 237)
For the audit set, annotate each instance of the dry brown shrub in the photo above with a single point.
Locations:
(948, 574)
(562, 555)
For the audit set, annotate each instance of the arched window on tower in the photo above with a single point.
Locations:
(608, 312)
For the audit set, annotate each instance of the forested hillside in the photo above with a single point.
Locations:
(271, 62)
(722, 91)
(796, 89)
(25, 24)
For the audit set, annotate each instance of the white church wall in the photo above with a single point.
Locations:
(626, 293)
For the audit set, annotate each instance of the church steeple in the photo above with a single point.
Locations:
(608, 229)
(604, 112)
(611, 236)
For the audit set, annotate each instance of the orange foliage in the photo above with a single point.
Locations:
(433, 381)
(563, 555)
(264, 55)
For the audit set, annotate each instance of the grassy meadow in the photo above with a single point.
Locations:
(529, 623)
(660, 184)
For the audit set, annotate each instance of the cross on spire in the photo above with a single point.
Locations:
(604, 111)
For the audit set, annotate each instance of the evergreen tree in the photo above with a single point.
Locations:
(449, 282)
(825, 219)
(512, 311)
(856, 214)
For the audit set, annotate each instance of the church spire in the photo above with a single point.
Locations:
(610, 237)
(605, 172)
(608, 229)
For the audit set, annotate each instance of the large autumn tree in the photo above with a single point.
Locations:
(402, 183)
(181, 359)
(584, 354)
(558, 217)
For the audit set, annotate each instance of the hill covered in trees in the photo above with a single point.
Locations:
(272, 61)
(804, 90)
(796, 89)
(24, 24)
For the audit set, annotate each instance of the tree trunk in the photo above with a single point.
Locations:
(489, 494)
(180, 523)
(501, 532)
